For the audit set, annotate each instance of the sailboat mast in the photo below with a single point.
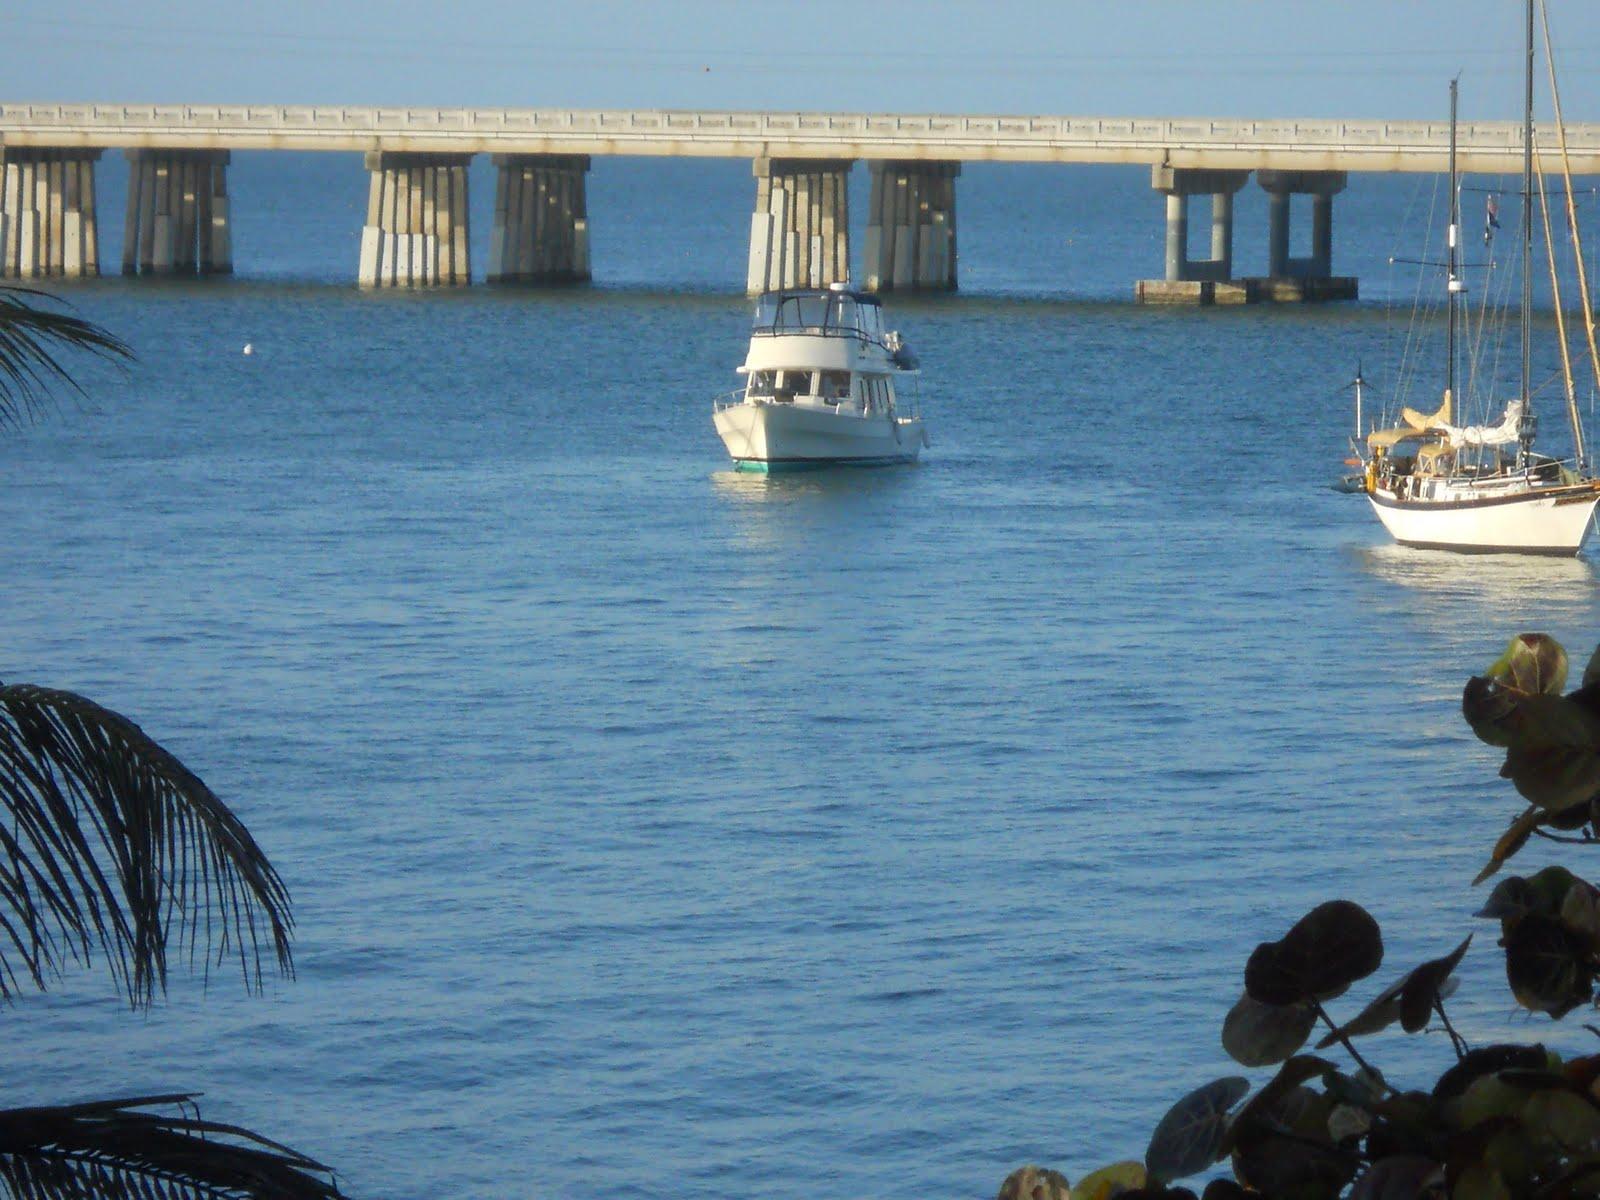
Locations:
(1527, 236)
(1453, 284)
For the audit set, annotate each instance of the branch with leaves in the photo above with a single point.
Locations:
(130, 1149)
(1502, 1121)
(34, 329)
(112, 844)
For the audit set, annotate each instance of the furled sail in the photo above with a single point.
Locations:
(1434, 420)
(1509, 430)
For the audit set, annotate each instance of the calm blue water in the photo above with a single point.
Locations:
(652, 827)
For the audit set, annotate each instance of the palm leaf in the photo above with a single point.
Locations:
(112, 843)
(115, 1150)
(31, 335)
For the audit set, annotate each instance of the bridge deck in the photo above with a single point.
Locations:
(1483, 146)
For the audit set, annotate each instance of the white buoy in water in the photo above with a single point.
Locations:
(249, 349)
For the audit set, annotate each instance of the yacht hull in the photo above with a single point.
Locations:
(1553, 520)
(777, 437)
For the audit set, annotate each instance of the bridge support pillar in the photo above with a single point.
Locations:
(1196, 280)
(911, 227)
(48, 230)
(178, 221)
(1311, 277)
(416, 230)
(800, 231)
(541, 219)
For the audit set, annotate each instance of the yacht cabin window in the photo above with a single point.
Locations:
(797, 383)
(836, 385)
(762, 382)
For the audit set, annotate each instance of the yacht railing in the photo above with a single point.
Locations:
(839, 331)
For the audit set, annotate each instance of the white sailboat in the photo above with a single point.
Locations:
(1482, 488)
(820, 387)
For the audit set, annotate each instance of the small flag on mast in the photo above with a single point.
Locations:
(1491, 219)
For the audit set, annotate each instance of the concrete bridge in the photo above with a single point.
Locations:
(177, 218)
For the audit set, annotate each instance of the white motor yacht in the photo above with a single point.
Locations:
(820, 386)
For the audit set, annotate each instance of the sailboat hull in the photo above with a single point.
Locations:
(1554, 520)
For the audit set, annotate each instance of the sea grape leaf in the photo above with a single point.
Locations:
(1489, 1097)
(1189, 1137)
(1580, 912)
(1272, 1108)
(1510, 901)
(1515, 1155)
(1327, 950)
(1282, 1166)
(1408, 1000)
(1486, 1060)
(1534, 663)
(1570, 1119)
(1549, 887)
(1348, 1121)
(1582, 1073)
(1035, 1183)
(1491, 710)
(1504, 717)
(1259, 1035)
(1365, 1089)
(1552, 742)
(1555, 778)
(1109, 1182)
(1400, 1177)
(1512, 840)
(1548, 966)
(1422, 988)
(1407, 1123)
(1382, 1012)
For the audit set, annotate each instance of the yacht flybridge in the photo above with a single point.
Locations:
(820, 386)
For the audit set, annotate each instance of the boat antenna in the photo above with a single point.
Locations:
(1453, 284)
(1525, 431)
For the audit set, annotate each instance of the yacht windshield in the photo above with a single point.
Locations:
(824, 312)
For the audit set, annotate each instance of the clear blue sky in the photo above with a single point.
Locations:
(1338, 58)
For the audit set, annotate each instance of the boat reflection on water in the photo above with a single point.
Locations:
(837, 502)
(1513, 586)
(843, 485)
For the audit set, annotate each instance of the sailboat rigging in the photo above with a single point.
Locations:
(1436, 483)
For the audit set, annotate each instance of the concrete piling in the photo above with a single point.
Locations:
(911, 226)
(1211, 281)
(1311, 277)
(541, 219)
(177, 220)
(47, 213)
(800, 230)
(1196, 280)
(415, 234)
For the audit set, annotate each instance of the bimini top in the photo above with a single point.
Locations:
(835, 312)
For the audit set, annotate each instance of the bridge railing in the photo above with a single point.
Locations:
(779, 128)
